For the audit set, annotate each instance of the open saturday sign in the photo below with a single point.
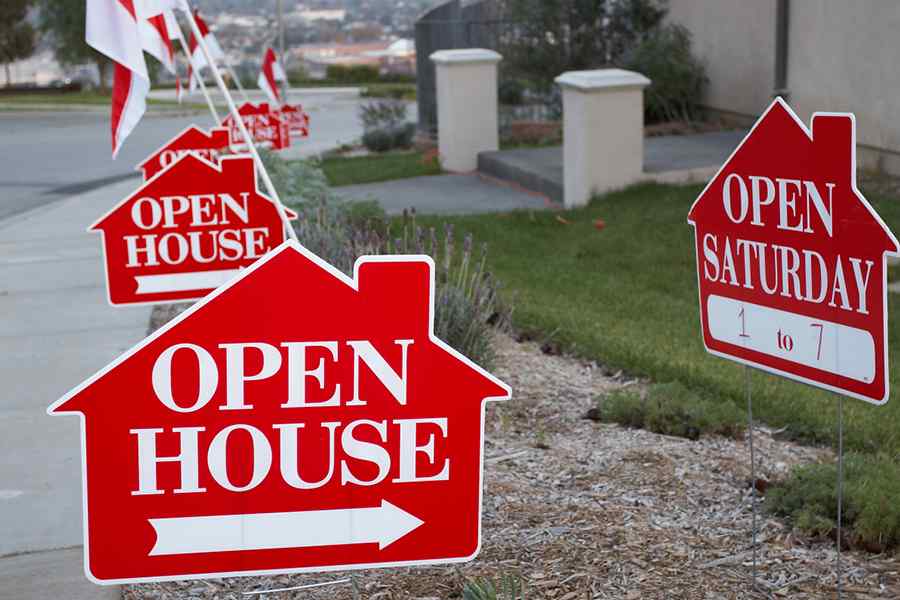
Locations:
(187, 230)
(295, 419)
(791, 257)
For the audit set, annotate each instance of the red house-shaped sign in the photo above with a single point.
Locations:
(265, 126)
(293, 420)
(296, 119)
(191, 140)
(791, 258)
(187, 230)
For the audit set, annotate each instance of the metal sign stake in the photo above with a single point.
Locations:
(840, 491)
(295, 588)
(752, 470)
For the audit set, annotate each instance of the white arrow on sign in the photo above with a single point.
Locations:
(383, 525)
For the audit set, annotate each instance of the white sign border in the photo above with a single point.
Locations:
(353, 284)
(778, 101)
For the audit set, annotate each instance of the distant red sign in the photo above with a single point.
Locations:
(293, 420)
(791, 258)
(187, 231)
(265, 126)
(296, 118)
(192, 139)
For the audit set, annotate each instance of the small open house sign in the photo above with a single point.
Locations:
(293, 420)
(791, 258)
(187, 230)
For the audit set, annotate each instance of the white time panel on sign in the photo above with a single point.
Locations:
(831, 347)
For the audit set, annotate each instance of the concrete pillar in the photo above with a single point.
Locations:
(603, 131)
(466, 105)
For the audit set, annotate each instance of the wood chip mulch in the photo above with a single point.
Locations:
(584, 510)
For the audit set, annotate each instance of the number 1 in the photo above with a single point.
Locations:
(744, 333)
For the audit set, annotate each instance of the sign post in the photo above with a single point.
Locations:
(792, 262)
(187, 53)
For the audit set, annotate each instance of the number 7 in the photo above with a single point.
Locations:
(819, 350)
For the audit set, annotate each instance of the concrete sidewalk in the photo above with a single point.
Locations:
(667, 159)
(447, 195)
(56, 329)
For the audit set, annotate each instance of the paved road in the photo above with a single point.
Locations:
(56, 329)
(47, 156)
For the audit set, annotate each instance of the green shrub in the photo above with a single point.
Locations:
(677, 77)
(297, 181)
(509, 587)
(395, 138)
(672, 409)
(378, 140)
(466, 304)
(385, 126)
(351, 74)
(402, 137)
(511, 91)
(394, 91)
(382, 114)
(871, 516)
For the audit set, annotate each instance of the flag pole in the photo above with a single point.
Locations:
(285, 85)
(237, 80)
(267, 181)
(187, 53)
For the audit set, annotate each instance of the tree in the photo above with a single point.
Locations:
(16, 35)
(63, 21)
(544, 38)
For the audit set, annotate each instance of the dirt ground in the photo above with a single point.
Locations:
(583, 510)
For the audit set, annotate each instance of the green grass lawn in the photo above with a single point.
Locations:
(342, 170)
(627, 296)
(76, 99)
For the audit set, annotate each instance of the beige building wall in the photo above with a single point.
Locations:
(842, 56)
(845, 56)
(736, 41)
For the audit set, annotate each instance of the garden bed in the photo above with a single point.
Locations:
(580, 510)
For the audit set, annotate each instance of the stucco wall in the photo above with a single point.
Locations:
(736, 41)
(842, 56)
(845, 56)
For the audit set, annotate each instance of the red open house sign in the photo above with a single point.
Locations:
(186, 231)
(193, 140)
(791, 258)
(293, 420)
(265, 126)
(296, 119)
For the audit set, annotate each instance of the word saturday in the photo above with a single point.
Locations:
(800, 273)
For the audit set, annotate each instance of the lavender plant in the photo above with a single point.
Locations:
(466, 302)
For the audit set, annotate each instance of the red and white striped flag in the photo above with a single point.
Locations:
(174, 31)
(269, 76)
(156, 40)
(198, 59)
(111, 28)
(158, 29)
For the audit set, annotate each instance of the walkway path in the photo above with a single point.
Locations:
(56, 329)
(670, 158)
(447, 195)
